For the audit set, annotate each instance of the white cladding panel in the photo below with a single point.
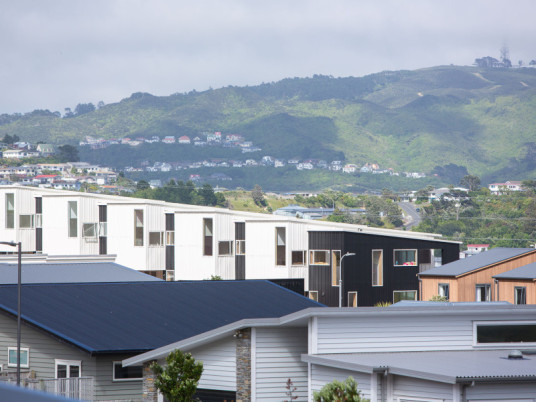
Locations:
(261, 250)
(56, 240)
(155, 221)
(278, 358)
(88, 212)
(224, 230)
(322, 375)
(23, 203)
(408, 388)
(219, 365)
(517, 392)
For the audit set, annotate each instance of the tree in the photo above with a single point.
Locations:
(258, 196)
(337, 391)
(142, 185)
(68, 153)
(178, 380)
(83, 108)
(470, 181)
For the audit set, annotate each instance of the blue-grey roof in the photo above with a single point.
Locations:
(481, 260)
(525, 272)
(444, 366)
(72, 273)
(136, 317)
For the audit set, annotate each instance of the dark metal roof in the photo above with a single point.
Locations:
(525, 272)
(72, 273)
(481, 260)
(444, 366)
(136, 317)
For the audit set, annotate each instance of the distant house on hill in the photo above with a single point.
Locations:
(499, 188)
(184, 140)
(46, 149)
(170, 139)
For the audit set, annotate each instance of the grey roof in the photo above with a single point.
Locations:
(524, 272)
(445, 366)
(72, 273)
(481, 260)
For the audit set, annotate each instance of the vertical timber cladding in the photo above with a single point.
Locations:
(357, 270)
(240, 259)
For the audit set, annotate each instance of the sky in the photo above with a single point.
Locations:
(59, 53)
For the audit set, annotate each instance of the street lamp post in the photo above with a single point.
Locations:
(19, 287)
(340, 277)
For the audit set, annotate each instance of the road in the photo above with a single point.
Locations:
(412, 217)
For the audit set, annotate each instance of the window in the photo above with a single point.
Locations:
(443, 290)
(319, 257)
(138, 227)
(24, 357)
(225, 248)
(10, 211)
(281, 246)
(405, 257)
(399, 295)
(352, 299)
(68, 368)
(207, 236)
(483, 293)
(38, 220)
(240, 247)
(299, 257)
(520, 295)
(26, 221)
(313, 295)
(73, 218)
(505, 332)
(89, 230)
(377, 267)
(335, 267)
(156, 238)
(131, 373)
(170, 238)
(103, 229)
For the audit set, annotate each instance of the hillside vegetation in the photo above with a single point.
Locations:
(480, 119)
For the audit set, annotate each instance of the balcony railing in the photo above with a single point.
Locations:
(73, 388)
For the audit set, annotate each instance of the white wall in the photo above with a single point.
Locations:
(219, 365)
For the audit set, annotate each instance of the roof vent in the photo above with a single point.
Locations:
(515, 355)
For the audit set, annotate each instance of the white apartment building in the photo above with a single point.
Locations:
(167, 240)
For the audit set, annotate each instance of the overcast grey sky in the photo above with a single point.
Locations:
(58, 53)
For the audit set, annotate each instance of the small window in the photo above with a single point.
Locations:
(520, 295)
(24, 357)
(483, 293)
(225, 248)
(68, 368)
(240, 247)
(89, 230)
(170, 238)
(10, 211)
(156, 238)
(506, 332)
(207, 236)
(352, 299)
(405, 257)
(335, 267)
(299, 257)
(399, 295)
(103, 229)
(319, 257)
(73, 218)
(138, 227)
(443, 289)
(38, 220)
(377, 267)
(281, 246)
(170, 275)
(313, 295)
(131, 373)
(26, 221)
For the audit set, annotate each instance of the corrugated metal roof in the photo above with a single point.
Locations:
(444, 366)
(477, 261)
(72, 273)
(525, 272)
(116, 317)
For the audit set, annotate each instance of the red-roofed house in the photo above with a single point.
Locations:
(184, 139)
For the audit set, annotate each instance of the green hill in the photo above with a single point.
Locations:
(481, 119)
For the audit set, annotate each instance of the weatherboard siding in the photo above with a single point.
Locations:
(219, 365)
(277, 358)
(108, 390)
(416, 388)
(507, 289)
(322, 375)
(501, 392)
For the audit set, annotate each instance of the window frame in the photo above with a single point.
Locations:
(405, 265)
(32, 221)
(443, 285)
(351, 293)
(313, 293)
(476, 324)
(138, 240)
(312, 260)
(280, 249)
(170, 237)
(404, 291)
(379, 275)
(13, 349)
(335, 269)
(10, 210)
(72, 221)
(95, 230)
(114, 363)
(240, 247)
(208, 240)
(303, 254)
(68, 363)
(487, 293)
(160, 236)
(524, 288)
(230, 248)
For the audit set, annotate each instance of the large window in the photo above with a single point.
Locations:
(405, 257)
(10, 211)
(399, 295)
(73, 218)
(505, 332)
(483, 293)
(207, 236)
(138, 227)
(12, 357)
(281, 246)
(520, 295)
(443, 289)
(335, 267)
(319, 257)
(131, 373)
(26, 221)
(225, 248)
(299, 257)
(377, 267)
(156, 238)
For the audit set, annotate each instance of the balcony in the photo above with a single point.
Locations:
(74, 388)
